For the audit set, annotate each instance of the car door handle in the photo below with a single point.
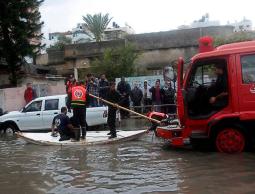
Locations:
(38, 114)
(55, 113)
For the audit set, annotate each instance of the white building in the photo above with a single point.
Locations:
(117, 32)
(80, 34)
(242, 26)
(203, 22)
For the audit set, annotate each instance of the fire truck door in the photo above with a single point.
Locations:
(246, 82)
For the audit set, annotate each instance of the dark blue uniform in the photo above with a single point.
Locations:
(61, 121)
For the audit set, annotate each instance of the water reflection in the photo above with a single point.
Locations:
(142, 166)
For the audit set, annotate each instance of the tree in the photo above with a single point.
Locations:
(19, 33)
(62, 41)
(96, 24)
(116, 62)
(235, 37)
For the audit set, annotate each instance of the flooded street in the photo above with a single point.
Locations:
(139, 166)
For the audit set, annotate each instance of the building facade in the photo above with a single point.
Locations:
(80, 34)
(155, 50)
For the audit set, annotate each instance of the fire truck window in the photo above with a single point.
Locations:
(206, 81)
(248, 68)
(203, 76)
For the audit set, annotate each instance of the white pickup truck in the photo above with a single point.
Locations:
(39, 113)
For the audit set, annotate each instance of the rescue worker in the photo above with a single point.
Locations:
(218, 91)
(79, 99)
(62, 123)
(114, 97)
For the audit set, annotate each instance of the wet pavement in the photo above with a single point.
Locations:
(144, 165)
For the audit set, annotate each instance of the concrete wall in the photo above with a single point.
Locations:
(55, 56)
(42, 59)
(176, 38)
(4, 79)
(90, 49)
(156, 49)
(13, 98)
(153, 59)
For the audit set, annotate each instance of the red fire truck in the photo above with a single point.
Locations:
(216, 108)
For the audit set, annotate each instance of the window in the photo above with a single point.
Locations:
(205, 74)
(34, 106)
(51, 104)
(208, 79)
(248, 69)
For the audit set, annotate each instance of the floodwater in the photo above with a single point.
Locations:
(140, 166)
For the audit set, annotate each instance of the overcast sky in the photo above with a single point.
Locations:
(144, 15)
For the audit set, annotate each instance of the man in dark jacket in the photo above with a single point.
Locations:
(169, 98)
(124, 90)
(156, 96)
(103, 87)
(136, 96)
(114, 97)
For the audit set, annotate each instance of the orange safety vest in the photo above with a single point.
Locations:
(78, 96)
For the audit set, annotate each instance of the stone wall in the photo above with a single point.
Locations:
(42, 59)
(90, 49)
(55, 56)
(176, 38)
(156, 49)
(155, 59)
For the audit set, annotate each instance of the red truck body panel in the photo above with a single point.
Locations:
(241, 93)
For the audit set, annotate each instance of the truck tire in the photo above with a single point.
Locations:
(230, 140)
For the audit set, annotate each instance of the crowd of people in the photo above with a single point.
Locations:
(142, 98)
(162, 99)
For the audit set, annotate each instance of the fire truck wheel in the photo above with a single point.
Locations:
(230, 140)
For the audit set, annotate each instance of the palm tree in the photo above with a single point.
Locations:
(96, 24)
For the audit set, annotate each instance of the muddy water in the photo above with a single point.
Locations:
(140, 166)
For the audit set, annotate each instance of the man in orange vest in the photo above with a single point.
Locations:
(79, 99)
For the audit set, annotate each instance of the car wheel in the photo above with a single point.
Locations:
(10, 129)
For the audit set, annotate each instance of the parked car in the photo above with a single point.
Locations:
(39, 113)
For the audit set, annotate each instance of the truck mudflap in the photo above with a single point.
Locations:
(173, 135)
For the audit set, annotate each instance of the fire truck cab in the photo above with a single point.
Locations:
(218, 108)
